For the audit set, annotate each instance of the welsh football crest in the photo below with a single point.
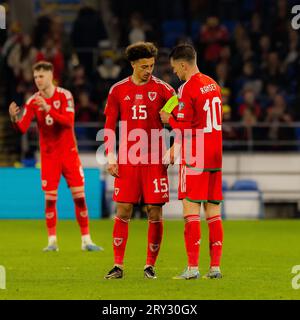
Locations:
(56, 104)
(152, 95)
(154, 247)
(118, 241)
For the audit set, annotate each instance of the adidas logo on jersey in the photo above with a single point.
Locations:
(117, 190)
(165, 196)
(127, 98)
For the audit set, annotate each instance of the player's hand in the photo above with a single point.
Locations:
(172, 154)
(41, 102)
(13, 110)
(164, 116)
(168, 158)
(113, 169)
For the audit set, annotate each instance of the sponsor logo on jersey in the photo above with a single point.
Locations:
(117, 190)
(180, 115)
(127, 98)
(153, 247)
(152, 95)
(70, 107)
(56, 104)
(139, 97)
(118, 241)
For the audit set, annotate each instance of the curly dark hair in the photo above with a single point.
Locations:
(141, 50)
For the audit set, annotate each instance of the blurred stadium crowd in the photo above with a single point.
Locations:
(248, 47)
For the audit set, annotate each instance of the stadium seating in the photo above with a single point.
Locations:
(243, 201)
(245, 185)
(172, 30)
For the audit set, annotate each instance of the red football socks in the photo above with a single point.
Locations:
(120, 236)
(51, 217)
(81, 212)
(192, 237)
(155, 232)
(215, 239)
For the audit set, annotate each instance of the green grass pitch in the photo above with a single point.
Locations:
(257, 261)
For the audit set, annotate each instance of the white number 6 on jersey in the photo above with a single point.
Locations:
(49, 120)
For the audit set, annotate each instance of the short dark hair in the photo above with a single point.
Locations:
(141, 50)
(42, 65)
(183, 51)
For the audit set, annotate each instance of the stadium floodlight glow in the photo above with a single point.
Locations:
(2, 278)
(296, 19)
(2, 17)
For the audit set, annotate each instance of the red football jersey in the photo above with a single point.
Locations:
(56, 127)
(200, 107)
(137, 106)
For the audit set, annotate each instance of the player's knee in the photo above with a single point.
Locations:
(80, 203)
(124, 210)
(154, 212)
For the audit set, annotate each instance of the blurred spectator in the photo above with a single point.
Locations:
(107, 73)
(248, 80)
(49, 52)
(85, 110)
(270, 92)
(138, 28)
(263, 50)
(41, 30)
(222, 75)
(250, 110)
(278, 114)
(21, 58)
(78, 81)
(213, 36)
(273, 70)
(88, 30)
(255, 29)
(108, 69)
(229, 132)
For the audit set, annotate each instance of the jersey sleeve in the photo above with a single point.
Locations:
(28, 114)
(111, 112)
(66, 116)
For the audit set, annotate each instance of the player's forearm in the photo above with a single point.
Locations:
(64, 120)
(20, 125)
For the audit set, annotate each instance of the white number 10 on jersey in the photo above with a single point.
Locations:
(211, 117)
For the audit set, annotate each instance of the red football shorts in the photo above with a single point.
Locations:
(200, 186)
(66, 164)
(146, 183)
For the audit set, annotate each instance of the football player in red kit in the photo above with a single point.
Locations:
(53, 108)
(200, 180)
(136, 101)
